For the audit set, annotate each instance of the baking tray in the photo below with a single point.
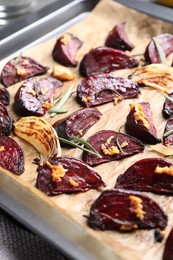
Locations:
(62, 14)
(24, 202)
(18, 200)
(151, 8)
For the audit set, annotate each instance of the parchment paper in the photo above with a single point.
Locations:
(93, 31)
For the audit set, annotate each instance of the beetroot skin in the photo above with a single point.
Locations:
(102, 88)
(77, 177)
(114, 210)
(105, 59)
(11, 155)
(21, 68)
(66, 48)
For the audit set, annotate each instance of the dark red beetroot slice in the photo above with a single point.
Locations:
(168, 140)
(11, 155)
(111, 146)
(6, 123)
(4, 95)
(74, 176)
(65, 49)
(143, 130)
(168, 250)
(104, 87)
(143, 176)
(105, 59)
(168, 107)
(166, 42)
(35, 96)
(125, 211)
(118, 39)
(20, 68)
(78, 123)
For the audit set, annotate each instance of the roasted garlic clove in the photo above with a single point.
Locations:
(157, 76)
(40, 134)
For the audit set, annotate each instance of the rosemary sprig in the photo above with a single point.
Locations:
(57, 108)
(118, 144)
(168, 155)
(168, 133)
(167, 97)
(37, 87)
(82, 141)
(17, 59)
(91, 150)
(159, 50)
(138, 54)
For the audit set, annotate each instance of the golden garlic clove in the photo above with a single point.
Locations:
(158, 76)
(40, 134)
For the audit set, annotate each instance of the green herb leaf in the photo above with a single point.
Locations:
(57, 108)
(159, 50)
(169, 155)
(82, 141)
(17, 59)
(60, 111)
(79, 146)
(167, 97)
(138, 54)
(168, 133)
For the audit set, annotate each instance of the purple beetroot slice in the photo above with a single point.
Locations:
(111, 146)
(78, 123)
(140, 123)
(102, 88)
(35, 96)
(6, 123)
(105, 59)
(168, 107)
(168, 140)
(11, 155)
(151, 175)
(165, 41)
(65, 49)
(66, 175)
(21, 68)
(118, 39)
(168, 249)
(125, 211)
(4, 95)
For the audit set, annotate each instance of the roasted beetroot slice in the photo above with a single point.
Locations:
(168, 107)
(105, 59)
(118, 39)
(67, 175)
(125, 211)
(168, 250)
(6, 123)
(168, 140)
(11, 155)
(78, 123)
(140, 123)
(111, 146)
(65, 49)
(151, 175)
(21, 68)
(166, 42)
(35, 96)
(105, 87)
(4, 95)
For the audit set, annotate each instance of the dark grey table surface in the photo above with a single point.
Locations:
(18, 243)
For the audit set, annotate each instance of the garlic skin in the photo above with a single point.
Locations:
(38, 132)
